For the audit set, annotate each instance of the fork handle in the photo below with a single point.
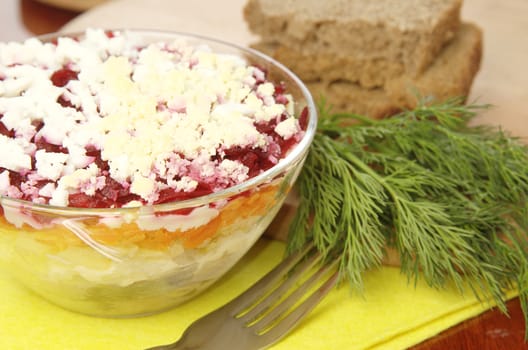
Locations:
(192, 338)
(174, 346)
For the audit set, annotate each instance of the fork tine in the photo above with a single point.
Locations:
(286, 324)
(262, 286)
(289, 302)
(262, 305)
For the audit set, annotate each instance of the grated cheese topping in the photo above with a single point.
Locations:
(157, 116)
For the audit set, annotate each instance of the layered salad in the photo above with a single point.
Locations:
(108, 144)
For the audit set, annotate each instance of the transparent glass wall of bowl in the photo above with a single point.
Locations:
(133, 262)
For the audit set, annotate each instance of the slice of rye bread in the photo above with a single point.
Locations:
(450, 75)
(376, 40)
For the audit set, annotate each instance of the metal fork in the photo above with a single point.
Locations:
(267, 311)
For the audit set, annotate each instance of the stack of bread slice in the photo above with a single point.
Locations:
(371, 57)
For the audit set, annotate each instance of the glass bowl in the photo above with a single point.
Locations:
(135, 261)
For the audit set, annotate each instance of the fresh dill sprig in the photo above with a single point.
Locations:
(451, 198)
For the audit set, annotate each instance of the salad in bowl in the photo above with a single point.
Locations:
(137, 167)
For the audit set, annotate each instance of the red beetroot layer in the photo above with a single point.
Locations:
(114, 194)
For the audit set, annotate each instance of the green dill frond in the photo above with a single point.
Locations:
(450, 197)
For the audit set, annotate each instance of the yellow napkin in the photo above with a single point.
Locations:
(390, 315)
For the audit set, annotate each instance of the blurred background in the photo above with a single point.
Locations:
(20, 19)
(502, 80)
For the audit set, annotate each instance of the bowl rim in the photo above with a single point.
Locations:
(295, 154)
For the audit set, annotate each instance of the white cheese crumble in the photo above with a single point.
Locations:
(13, 155)
(160, 115)
(50, 164)
(4, 182)
(287, 128)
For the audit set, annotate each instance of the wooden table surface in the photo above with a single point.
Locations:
(20, 19)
